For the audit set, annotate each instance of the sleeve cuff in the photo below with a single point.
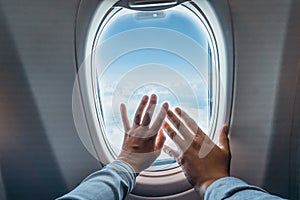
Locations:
(226, 187)
(125, 170)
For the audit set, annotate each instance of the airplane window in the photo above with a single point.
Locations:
(175, 49)
(170, 52)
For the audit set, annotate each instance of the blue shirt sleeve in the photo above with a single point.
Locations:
(235, 189)
(113, 182)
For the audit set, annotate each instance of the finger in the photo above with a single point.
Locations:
(171, 152)
(173, 135)
(223, 140)
(139, 111)
(150, 110)
(160, 140)
(160, 118)
(124, 116)
(190, 122)
(181, 127)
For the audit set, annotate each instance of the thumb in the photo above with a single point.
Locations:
(160, 140)
(223, 140)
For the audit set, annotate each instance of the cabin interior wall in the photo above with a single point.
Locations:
(41, 153)
(38, 140)
(259, 117)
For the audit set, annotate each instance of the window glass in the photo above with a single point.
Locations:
(166, 52)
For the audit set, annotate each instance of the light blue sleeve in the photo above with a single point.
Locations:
(231, 188)
(113, 182)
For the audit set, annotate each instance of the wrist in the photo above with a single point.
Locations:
(129, 164)
(203, 186)
(139, 161)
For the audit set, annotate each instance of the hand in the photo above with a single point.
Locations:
(142, 144)
(202, 161)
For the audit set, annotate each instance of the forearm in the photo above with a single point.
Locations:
(235, 189)
(112, 182)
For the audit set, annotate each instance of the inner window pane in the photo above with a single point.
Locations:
(165, 52)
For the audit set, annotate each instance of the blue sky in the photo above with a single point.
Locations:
(172, 77)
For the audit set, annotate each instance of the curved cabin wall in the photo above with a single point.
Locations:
(267, 67)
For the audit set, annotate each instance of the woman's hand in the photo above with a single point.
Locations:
(202, 161)
(142, 144)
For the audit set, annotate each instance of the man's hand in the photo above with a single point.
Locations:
(142, 144)
(202, 161)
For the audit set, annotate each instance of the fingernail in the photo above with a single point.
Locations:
(226, 129)
(153, 97)
(166, 106)
(145, 98)
(177, 109)
(169, 112)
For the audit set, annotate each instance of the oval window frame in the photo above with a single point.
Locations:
(144, 186)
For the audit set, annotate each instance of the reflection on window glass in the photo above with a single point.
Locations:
(163, 52)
